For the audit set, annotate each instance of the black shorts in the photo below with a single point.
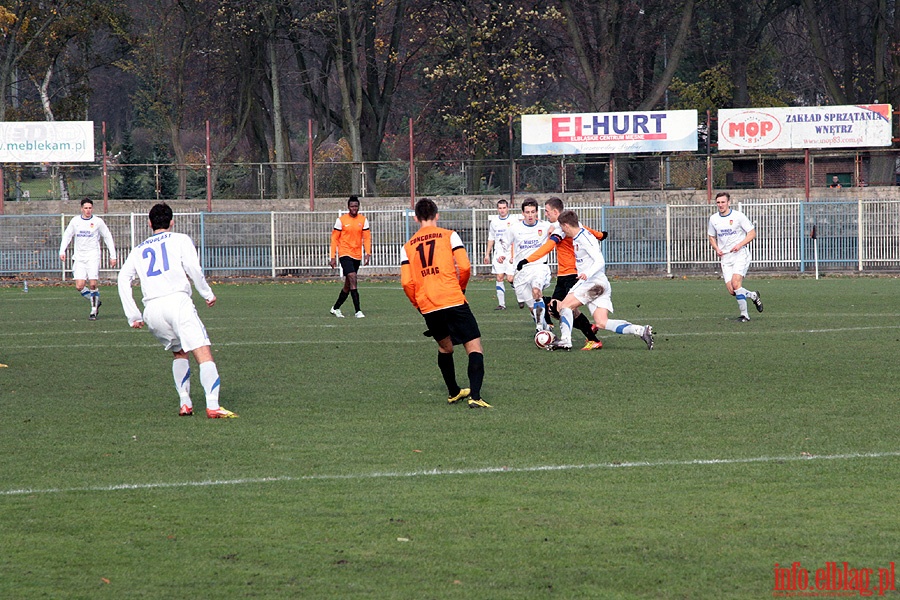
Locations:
(458, 322)
(349, 264)
(564, 283)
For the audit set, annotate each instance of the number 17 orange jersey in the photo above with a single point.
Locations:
(428, 269)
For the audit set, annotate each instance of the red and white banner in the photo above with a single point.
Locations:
(608, 133)
(805, 127)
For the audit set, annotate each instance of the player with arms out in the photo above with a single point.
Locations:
(567, 273)
(87, 231)
(730, 231)
(434, 271)
(350, 235)
(523, 238)
(592, 288)
(497, 252)
(163, 262)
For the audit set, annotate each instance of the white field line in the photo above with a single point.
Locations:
(450, 472)
(151, 343)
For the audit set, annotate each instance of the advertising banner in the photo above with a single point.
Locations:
(46, 141)
(805, 127)
(608, 133)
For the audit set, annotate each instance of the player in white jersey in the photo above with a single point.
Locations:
(592, 288)
(730, 231)
(87, 231)
(163, 262)
(523, 238)
(497, 252)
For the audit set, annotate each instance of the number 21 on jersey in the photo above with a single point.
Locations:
(150, 252)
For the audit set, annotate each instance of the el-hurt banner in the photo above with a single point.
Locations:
(805, 127)
(608, 133)
(46, 141)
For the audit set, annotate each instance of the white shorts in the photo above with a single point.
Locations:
(87, 270)
(530, 277)
(500, 268)
(735, 263)
(174, 321)
(586, 292)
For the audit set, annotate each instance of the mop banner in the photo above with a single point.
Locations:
(805, 127)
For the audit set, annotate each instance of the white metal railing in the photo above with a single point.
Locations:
(859, 235)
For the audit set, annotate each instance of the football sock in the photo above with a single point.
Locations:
(623, 327)
(209, 379)
(501, 294)
(538, 313)
(741, 297)
(95, 299)
(551, 308)
(565, 325)
(476, 374)
(86, 294)
(583, 324)
(445, 364)
(181, 372)
(341, 298)
(355, 295)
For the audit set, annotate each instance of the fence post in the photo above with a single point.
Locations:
(104, 175)
(612, 179)
(412, 167)
(272, 238)
(2, 193)
(668, 239)
(208, 171)
(807, 175)
(859, 233)
(309, 152)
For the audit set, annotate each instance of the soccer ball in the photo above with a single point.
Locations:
(543, 338)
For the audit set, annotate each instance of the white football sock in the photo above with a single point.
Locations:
(501, 294)
(623, 327)
(181, 372)
(565, 325)
(209, 379)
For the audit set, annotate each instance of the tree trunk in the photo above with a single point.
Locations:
(280, 156)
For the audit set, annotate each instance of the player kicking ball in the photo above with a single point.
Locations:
(592, 289)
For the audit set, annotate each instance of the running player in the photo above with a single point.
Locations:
(434, 272)
(567, 274)
(592, 289)
(523, 238)
(87, 231)
(348, 238)
(730, 231)
(163, 262)
(497, 253)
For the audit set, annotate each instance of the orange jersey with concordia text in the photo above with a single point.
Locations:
(349, 235)
(565, 252)
(434, 269)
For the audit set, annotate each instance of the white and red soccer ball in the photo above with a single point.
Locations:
(543, 338)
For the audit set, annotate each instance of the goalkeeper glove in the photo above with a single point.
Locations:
(605, 235)
(521, 264)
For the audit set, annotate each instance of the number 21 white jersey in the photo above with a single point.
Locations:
(163, 262)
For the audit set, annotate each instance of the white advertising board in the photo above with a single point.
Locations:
(46, 141)
(805, 127)
(608, 133)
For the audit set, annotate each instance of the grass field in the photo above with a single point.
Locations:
(685, 472)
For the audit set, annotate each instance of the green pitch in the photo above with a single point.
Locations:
(685, 472)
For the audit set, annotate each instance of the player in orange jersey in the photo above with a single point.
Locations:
(434, 271)
(566, 274)
(350, 235)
